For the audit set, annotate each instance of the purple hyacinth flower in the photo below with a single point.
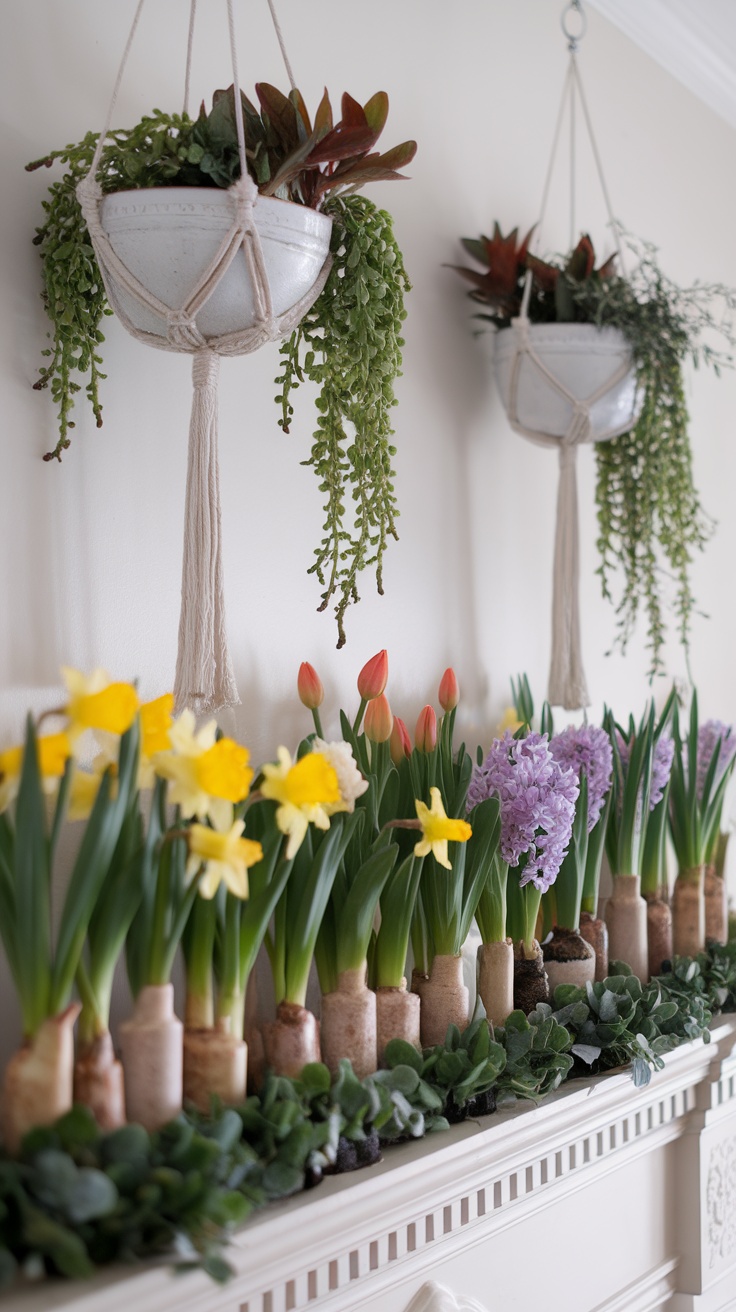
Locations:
(587, 747)
(537, 796)
(710, 735)
(662, 758)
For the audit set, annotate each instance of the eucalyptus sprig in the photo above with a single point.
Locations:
(349, 344)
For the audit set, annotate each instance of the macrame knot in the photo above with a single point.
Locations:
(579, 430)
(183, 332)
(243, 195)
(205, 368)
(89, 195)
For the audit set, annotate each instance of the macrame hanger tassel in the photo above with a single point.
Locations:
(567, 684)
(204, 674)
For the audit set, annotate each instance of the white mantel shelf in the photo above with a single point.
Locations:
(604, 1198)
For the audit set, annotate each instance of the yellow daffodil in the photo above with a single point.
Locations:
(349, 779)
(308, 792)
(226, 857)
(156, 721)
(53, 752)
(509, 720)
(207, 776)
(84, 788)
(438, 829)
(96, 703)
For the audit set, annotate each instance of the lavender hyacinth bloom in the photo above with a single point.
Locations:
(710, 735)
(537, 797)
(663, 756)
(587, 747)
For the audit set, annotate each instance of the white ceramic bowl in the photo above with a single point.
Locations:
(582, 357)
(167, 236)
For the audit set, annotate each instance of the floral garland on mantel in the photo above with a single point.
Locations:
(341, 856)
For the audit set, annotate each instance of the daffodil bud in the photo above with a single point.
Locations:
(400, 741)
(425, 734)
(374, 676)
(449, 693)
(309, 687)
(379, 721)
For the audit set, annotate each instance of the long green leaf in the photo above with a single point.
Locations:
(92, 865)
(355, 924)
(32, 891)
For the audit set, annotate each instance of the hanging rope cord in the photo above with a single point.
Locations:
(567, 682)
(204, 675)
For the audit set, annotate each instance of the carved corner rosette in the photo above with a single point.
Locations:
(721, 1202)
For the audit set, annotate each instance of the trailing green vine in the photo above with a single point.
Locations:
(349, 344)
(152, 154)
(650, 520)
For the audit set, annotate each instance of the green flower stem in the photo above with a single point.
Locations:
(653, 866)
(94, 1018)
(317, 722)
(157, 973)
(532, 898)
(515, 910)
(198, 942)
(549, 912)
(594, 860)
(568, 891)
(491, 911)
(359, 717)
(398, 900)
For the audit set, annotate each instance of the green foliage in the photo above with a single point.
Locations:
(43, 960)
(463, 1067)
(618, 1021)
(349, 344)
(76, 1199)
(537, 1054)
(650, 521)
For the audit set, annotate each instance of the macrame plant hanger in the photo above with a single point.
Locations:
(567, 682)
(204, 674)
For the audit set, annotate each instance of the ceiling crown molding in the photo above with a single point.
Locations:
(696, 44)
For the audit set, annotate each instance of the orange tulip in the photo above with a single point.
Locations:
(379, 721)
(374, 676)
(449, 693)
(425, 734)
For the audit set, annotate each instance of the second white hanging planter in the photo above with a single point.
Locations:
(549, 371)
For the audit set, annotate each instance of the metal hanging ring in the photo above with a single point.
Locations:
(574, 10)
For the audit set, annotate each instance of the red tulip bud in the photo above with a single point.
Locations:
(309, 686)
(379, 721)
(374, 676)
(400, 741)
(425, 734)
(449, 694)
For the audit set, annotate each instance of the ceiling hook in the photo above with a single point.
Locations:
(574, 11)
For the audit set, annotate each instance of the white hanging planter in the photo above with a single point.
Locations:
(168, 238)
(581, 364)
(561, 385)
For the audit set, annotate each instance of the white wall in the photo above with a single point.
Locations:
(91, 548)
